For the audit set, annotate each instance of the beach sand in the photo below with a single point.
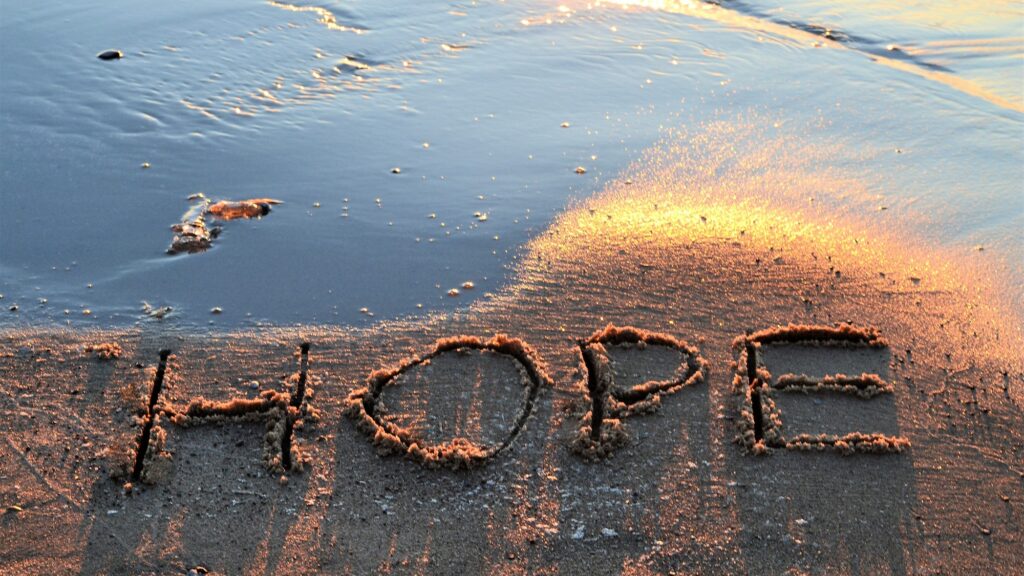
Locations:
(681, 496)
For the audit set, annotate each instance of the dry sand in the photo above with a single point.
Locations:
(681, 496)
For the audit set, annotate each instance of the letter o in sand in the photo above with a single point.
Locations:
(413, 429)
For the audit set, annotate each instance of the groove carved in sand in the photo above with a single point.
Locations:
(459, 452)
(281, 412)
(759, 419)
(602, 430)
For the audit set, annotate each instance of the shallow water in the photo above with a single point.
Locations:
(903, 119)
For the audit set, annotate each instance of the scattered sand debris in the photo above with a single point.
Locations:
(865, 385)
(760, 422)
(193, 234)
(110, 55)
(105, 350)
(459, 452)
(602, 431)
(283, 412)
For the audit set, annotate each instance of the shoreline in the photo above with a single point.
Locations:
(679, 495)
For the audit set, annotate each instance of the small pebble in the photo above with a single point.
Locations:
(468, 285)
(396, 170)
(145, 165)
(110, 55)
(13, 308)
(581, 170)
(453, 292)
(216, 310)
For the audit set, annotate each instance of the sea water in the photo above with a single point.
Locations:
(498, 116)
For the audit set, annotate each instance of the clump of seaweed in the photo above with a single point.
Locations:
(193, 234)
(105, 350)
(601, 430)
(459, 453)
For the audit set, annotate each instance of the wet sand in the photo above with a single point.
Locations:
(680, 497)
